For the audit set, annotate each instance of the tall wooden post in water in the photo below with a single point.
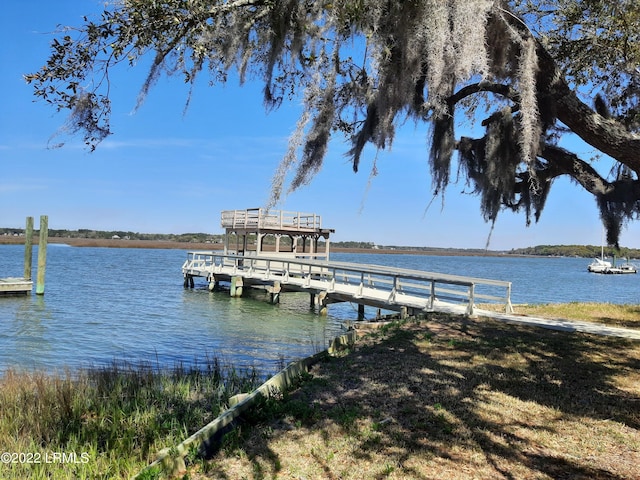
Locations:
(28, 248)
(42, 253)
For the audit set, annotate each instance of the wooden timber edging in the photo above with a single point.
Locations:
(171, 460)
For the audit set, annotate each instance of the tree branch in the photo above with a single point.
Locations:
(607, 135)
(563, 162)
(484, 86)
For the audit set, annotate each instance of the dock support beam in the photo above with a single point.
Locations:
(360, 311)
(42, 253)
(236, 287)
(323, 301)
(275, 293)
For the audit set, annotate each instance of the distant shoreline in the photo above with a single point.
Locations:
(166, 244)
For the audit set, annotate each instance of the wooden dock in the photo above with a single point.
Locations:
(281, 251)
(401, 290)
(15, 286)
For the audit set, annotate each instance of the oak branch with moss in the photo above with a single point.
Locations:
(528, 72)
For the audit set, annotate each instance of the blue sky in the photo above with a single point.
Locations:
(165, 172)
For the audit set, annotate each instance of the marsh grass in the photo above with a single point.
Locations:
(109, 421)
(453, 398)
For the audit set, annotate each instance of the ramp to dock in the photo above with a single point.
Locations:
(403, 290)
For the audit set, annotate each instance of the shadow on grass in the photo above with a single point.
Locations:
(450, 389)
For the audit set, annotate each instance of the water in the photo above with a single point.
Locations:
(534, 279)
(104, 304)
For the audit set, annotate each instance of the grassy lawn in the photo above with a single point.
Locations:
(444, 397)
(451, 398)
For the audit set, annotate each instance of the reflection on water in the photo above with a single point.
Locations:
(30, 325)
(102, 304)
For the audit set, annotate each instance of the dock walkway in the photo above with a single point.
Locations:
(15, 286)
(401, 290)
(395, 289)
(563, 325)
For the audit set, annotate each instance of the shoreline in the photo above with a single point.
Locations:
(174, 245)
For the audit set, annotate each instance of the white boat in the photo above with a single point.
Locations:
(599, 266)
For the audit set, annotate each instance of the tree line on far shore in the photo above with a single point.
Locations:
(539, 250)
(577, 251)
(121, 234)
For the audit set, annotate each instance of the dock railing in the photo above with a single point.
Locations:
(260, 218)
(376, 285)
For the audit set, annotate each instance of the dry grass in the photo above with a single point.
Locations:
(625, 316)
(451, 398)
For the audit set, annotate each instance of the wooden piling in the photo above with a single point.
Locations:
(42, 254)
(236, 287)
(28, 248)
(322, 303)
(275, 293)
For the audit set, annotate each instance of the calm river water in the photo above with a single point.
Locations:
(104, 304)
